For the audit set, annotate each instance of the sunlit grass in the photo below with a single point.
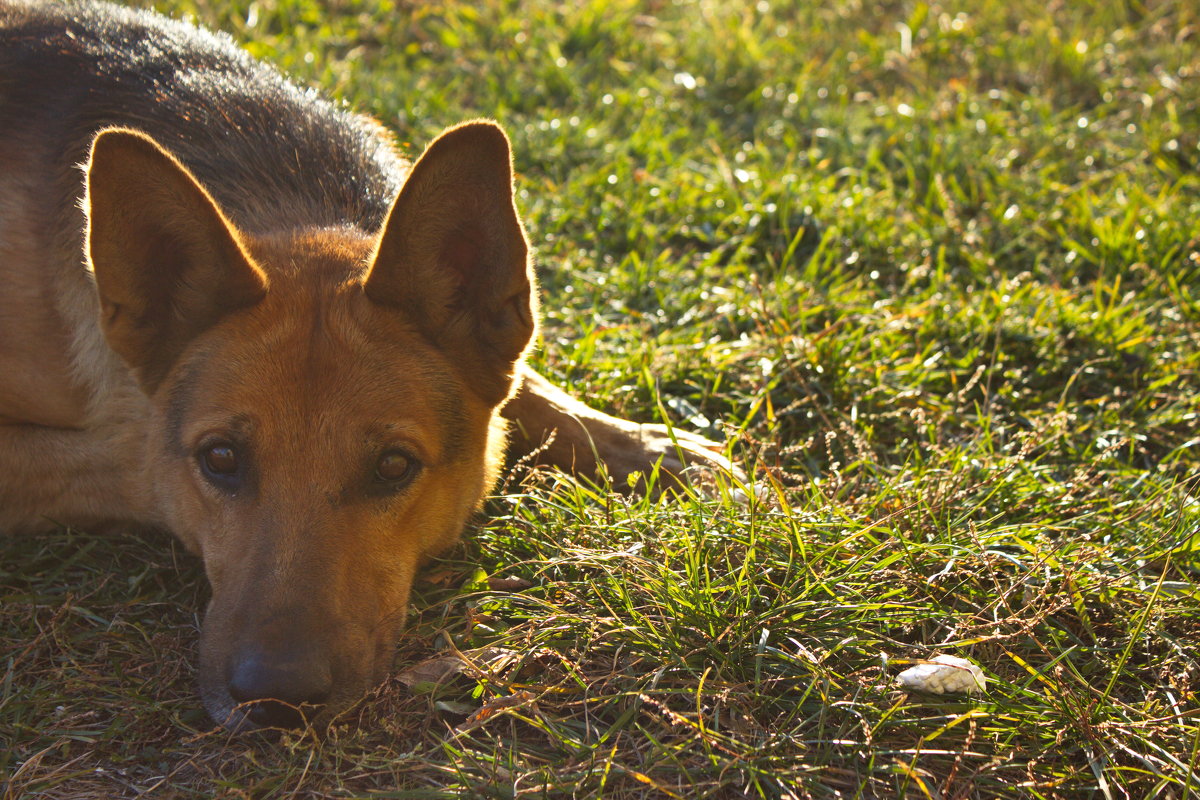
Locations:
(934, 273)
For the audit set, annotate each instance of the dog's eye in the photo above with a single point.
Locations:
(221, 459)
(395, 468)
(221, 464)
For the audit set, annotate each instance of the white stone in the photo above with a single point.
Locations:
(943, 674)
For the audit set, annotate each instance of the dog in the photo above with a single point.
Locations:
(232, 310)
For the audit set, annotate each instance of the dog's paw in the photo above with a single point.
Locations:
(631, 453)
(553, 429)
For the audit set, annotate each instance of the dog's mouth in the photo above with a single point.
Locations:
(260, 715)
(301, 684)
(242, 716)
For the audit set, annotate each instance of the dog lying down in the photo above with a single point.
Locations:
(249, 321)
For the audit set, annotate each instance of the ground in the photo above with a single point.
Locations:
(932, 269)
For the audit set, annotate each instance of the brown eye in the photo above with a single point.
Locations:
(222, 465)
(395, 468)
(220, 459)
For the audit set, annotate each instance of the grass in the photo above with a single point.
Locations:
(932, 268)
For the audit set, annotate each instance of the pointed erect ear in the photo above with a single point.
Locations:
(454, 259)
(167, 263)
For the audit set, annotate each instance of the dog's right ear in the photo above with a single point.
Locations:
(167, 263)
(453, 256)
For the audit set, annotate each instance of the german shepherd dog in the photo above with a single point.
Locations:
(230, 309)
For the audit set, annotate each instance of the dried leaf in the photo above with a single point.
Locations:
(428, 675)
(499, 584)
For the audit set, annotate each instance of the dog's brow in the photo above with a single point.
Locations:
(450, 413)
(445, 392)
(239, 424)
(180, 410)
(178, 402)
(400, 434)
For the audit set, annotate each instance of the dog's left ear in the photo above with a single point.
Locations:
(453, 255)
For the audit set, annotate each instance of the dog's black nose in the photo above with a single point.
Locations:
(279, 690)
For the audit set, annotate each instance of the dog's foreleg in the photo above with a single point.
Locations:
(52, 476)
(555, 429)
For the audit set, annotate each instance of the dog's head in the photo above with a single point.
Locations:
(324, 402)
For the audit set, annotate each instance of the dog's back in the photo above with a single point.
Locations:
(274, 157)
